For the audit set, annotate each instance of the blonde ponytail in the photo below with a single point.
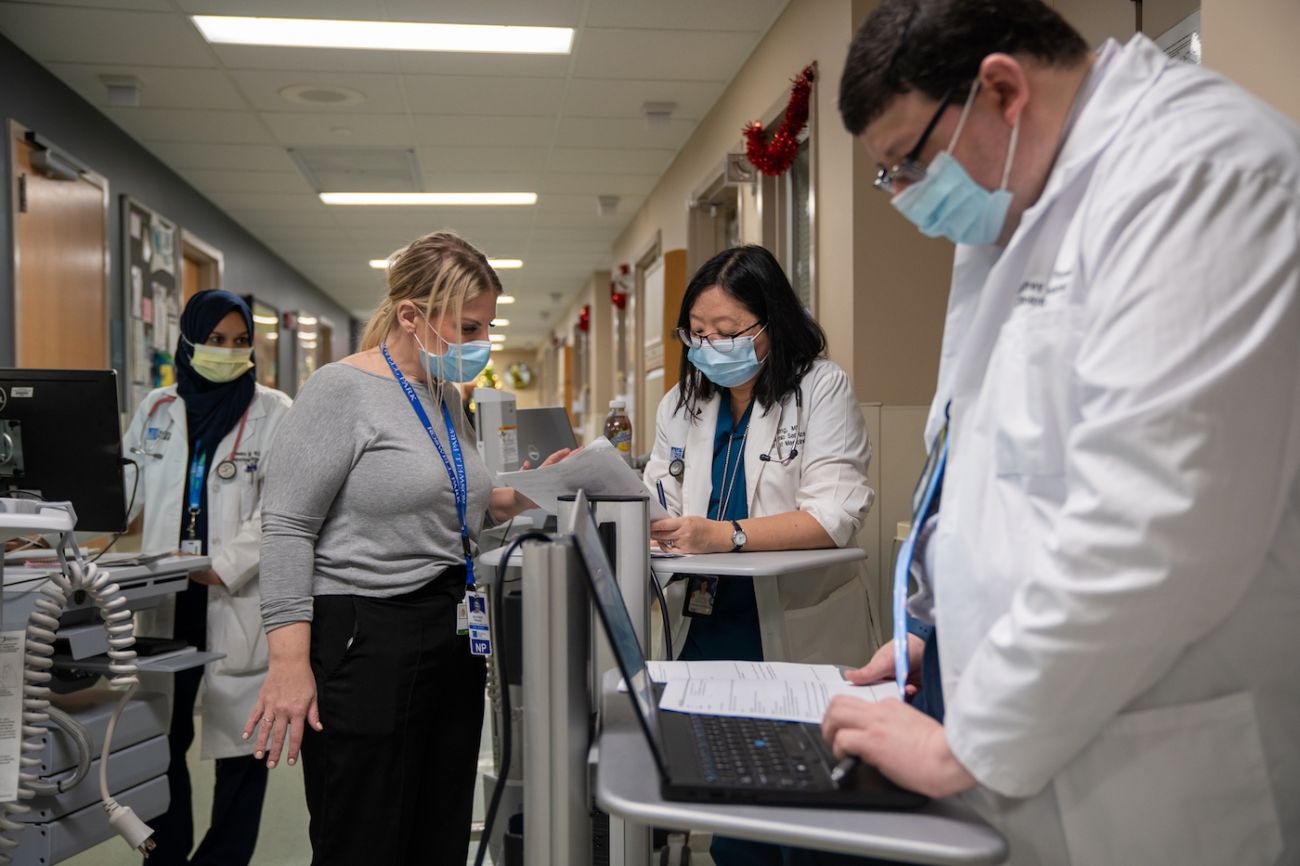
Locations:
(441, 271)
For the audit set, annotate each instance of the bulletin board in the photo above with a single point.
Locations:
(152, 295)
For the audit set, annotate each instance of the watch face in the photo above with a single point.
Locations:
(739, 538)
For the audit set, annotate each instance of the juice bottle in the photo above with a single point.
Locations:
(618, 428)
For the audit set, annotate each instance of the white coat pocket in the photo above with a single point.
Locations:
(1184, 785)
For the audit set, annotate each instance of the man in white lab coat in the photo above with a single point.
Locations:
(1114, 572)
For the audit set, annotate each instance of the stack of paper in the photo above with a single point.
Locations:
(597, 468)
(781, 691)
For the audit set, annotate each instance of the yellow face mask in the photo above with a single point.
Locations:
(221, 365)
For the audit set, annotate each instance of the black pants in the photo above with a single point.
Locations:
(391, 777)
(240, 784)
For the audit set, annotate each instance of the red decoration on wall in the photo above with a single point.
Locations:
(584, 319)
(775, 157)
(620, 287)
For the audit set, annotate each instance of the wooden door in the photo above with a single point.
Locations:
(61, 266)
(191, 279)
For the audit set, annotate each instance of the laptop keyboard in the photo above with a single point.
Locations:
(757, 752)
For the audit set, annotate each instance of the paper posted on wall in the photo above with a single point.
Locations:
(11, 711)
(596, 468)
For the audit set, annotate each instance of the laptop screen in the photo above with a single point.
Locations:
(543, 431)
(617, 622)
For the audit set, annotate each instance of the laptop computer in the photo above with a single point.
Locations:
(541, 432)
(721, 758)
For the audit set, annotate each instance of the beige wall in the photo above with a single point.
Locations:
(599, 372)
(1098, 20)
(1253, 42)
(525, 398)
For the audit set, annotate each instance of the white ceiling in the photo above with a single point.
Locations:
(567, 127)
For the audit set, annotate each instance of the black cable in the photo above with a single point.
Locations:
(663, 611)
(135, 486)
(498, 615)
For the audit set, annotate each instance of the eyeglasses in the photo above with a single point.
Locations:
(908, 170)
(724, 343)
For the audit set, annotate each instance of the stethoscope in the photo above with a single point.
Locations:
(225, 470)
(677, 465)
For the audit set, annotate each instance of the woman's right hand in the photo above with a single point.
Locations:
(881, 666)
(287, 697)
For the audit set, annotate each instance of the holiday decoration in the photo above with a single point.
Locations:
(621, 286)
(488, 378)
(519, 375)
(775, 157)
(584, 318)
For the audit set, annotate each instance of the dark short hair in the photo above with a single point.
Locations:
(936, 47)
(752, 276)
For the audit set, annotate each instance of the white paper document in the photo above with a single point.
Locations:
(598, 469)
(779, 700)
(790, 672)
(12, 644)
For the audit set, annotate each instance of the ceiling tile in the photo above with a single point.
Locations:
(746, 15)
(622, 132)
(77, 35)
(609, 161)
(383, 92)
(304, 59)
(160, 86)
(244, 180)
(493, 181)
(504, 65)
(232, 157)
(486, 131)
(598, 184)
(536, 13)
(266, 201)
(174, 124)
(590, 97)
(347, 9)
(483, 95)
(472, 159)
(138, 5)
(662, 54)
(296, 130)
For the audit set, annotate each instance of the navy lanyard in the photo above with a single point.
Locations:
(459, 479)
(197, 466)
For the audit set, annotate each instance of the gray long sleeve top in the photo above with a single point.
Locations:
(357, 501)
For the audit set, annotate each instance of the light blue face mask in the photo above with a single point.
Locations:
(462, 362)
(948, 203)
(727, 369)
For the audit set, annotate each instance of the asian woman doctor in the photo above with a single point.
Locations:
(199, 446)
(761, 446)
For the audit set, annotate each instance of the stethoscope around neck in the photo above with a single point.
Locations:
(677, 466)
(225, 470)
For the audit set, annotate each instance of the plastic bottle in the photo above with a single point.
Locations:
(618, 428)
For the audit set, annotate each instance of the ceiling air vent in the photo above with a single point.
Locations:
(358, 169)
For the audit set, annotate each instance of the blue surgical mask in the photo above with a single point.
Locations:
(727, 369)
(947, 202)
(462, 362)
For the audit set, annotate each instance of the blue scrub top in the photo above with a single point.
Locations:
(731, 631)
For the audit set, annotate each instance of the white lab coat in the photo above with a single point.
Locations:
(820, 615)
(231, 684)
(1116, 570)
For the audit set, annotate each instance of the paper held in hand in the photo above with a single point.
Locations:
(597, 468)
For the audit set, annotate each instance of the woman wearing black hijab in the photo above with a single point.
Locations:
(199, 445)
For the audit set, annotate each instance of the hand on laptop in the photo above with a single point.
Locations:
(881, 667)
(906, 745)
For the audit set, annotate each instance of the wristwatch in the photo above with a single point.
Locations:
(738, 537)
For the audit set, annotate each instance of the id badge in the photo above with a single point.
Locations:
(701, 595)
(462, 618)
(480, 629)
(192, 546)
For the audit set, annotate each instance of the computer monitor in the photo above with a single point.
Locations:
(61, 440)
(543, 431)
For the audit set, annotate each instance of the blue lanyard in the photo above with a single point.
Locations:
(459, 479)
(929, 485)
(197, 465)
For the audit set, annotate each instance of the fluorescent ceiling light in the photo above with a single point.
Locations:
(265, 320)
(497, 347)
(306, 320)
(272, 336)
(307, 336)
(505, 299)
(384, 35)
(429, 198)
(497, 338)
(500, 323)
(499, 264)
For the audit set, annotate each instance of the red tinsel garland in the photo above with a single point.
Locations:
(775, 157)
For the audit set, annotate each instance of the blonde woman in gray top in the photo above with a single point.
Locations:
(374, 497)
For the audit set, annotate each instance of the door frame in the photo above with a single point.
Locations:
(13, 132)
(211, 260)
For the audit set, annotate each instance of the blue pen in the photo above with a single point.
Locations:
(663, 500)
